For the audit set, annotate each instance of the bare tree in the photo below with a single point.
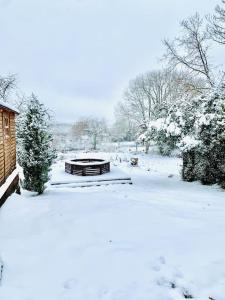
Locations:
(191, 49)
(216, 26)
(20, 100)
(93, 128)
(97, 128)
(149, 96)
(7, 84)
(124, 127)
(80, 128)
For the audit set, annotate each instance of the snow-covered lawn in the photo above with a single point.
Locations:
(158, 239)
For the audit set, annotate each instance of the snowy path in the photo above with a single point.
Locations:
(159, 239)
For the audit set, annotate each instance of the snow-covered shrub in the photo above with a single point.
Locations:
(35, 152)
(188, 142)
(211, 132)
(164, 132)
(170, 131)
(197, 127)
(203, 139)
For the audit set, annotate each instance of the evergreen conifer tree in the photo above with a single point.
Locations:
(35, 152)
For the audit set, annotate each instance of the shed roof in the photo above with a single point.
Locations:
(8, 106)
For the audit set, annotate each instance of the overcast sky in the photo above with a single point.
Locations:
(78, 55)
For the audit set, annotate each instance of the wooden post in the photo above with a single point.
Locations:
(84, 172)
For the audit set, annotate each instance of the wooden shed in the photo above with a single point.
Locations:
(8, 173)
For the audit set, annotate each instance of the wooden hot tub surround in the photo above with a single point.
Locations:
(87, 167)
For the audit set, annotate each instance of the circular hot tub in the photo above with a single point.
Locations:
(87, 167)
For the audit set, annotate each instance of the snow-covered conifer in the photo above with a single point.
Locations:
(35, 152)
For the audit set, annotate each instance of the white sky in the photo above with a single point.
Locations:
(78, 55)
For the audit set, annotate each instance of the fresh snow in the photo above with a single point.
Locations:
(59, 176)
(83, 163)
(9, 106)
(158, 239)
(188, 143)
(8, 182)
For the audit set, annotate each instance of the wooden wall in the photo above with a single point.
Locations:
(2, 160)
(7, 144)
(13, 141)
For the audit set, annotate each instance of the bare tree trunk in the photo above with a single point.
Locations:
(147, 146)
(95, 142)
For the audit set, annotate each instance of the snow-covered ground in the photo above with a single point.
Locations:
(158, 239)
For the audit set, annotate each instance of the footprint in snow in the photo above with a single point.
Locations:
(171, 278)
(70, 283)
(103, 292)
(1, 270)
(160, 262)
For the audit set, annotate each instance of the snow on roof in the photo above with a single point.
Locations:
(9, 106)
